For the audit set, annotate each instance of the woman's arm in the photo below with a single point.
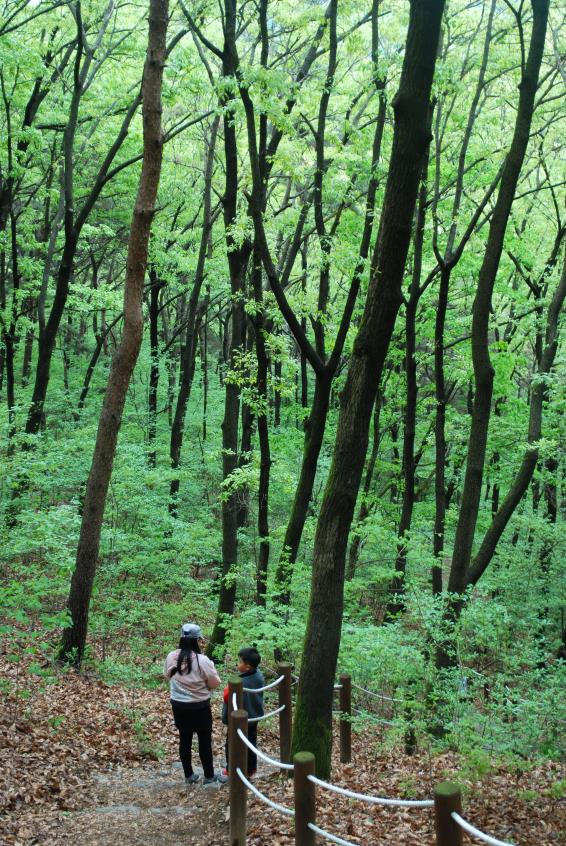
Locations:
(171, 664)
(212, 679)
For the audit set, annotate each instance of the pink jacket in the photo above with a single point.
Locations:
(196, 685)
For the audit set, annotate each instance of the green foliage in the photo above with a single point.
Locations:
(503, 698)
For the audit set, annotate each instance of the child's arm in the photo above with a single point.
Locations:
(225, 696)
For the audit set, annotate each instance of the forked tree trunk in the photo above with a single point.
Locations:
(74, 637)
(524, 474)
(313, 725)
(464, 571)
(483, 368)
(447, 263)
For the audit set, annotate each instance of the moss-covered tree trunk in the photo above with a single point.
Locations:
(313, 724)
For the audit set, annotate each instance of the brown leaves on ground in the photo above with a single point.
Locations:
(72, 747)
(515, 807)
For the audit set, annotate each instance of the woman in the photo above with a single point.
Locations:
(192, 678)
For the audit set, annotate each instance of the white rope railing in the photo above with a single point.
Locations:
(383, 722)
(332, 837)
(376, 695)
(261, 755)
(267, 686)
(281, 808)
(475, 832)
(374, 800)
(265, 716)
(234, 702)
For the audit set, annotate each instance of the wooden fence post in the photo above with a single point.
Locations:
(345, 723)
(235, 685)
(447, 798)
(286, 715)
(409, 714)
(304, 798)
(238, 790)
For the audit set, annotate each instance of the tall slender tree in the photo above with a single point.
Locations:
(483, 367)
(410, 141)
(74, 637)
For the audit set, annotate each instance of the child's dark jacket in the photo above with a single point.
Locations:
(253, 702)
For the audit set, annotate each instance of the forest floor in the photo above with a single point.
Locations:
(76, 764)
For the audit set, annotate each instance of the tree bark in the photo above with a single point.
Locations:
(100, 336)
(396, 602)
(483, 368)
(263, 434)
(74, 637)
(324, 368)
(364, 506)
(524, 475)
(191, 335)
(313, 724)
(237, 262)
(447, 263)
(72, 224)
(156, 287)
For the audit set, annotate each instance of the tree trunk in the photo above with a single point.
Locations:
(396, 603)
(525, 472)
(28, 352)
(313, 724)
(72, 223)
(204, 367)
(263, 434)
(314, 435)
(364, 507)
(100, 336)
(447, 264)
(157, 285)
(440, 431)
(237, 262)
(483, 368)
(74, 637)
(192, 331)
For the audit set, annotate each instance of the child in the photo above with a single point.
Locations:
(249, 659)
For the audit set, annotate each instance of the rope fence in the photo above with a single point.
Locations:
(447, 802)
(374, 800)
(266, 687)
(266, 758)
(475, 832)
(266, 716)
(376, 695)
(275, 805)
(332, 837)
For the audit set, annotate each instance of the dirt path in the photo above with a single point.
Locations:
(145, 806)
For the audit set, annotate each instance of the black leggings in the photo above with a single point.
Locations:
(190, 720)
